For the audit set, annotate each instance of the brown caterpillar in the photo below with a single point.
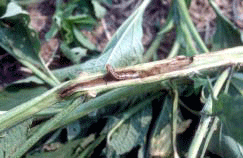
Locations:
(121, 75)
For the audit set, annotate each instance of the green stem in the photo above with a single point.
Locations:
(89, 150)
(43, 130)
(50, 73)
(39, 73)
(186, 17)
(204, 131)
(174, 119)
(159, 37)
(189, 41)
(175, 48)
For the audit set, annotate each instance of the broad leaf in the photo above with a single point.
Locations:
(132, 133)
(74, 54)
(125, 46)
(227, 141)
(124, 49)
(19, 93)
(17, 38)
(225, 146)
(237, 82)
(82, 39)
(226, 35)
(99, 10)
(232, 116)
(13, 138)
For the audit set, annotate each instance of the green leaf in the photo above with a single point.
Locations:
(124, 47)
(33, 79)
(52, 32)
(126, 42)
(19, 93)
(100, 11)
(12, 139)
(29, 108)
(71, 31)
(226, 35)
(237, 82)
(107, 2)
(17, 38)
(225, 146)
(3, 4)
(132, 132)
(43, 129)
(227, 141)
(68, 33)
(199, 83)
(81, 19)
(82, 39)
(86, 7)
(64, 150)
(87, 152)
(232, 116)
(74, 54)
(13, 10)
(65, 18)
(23, 43)
(161, 144)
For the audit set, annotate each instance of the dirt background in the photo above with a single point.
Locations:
(155, 16)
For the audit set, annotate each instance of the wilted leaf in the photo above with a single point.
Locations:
(161, 144)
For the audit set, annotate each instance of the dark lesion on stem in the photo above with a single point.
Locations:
(176, 64)
(70, 90)
(112, 75)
